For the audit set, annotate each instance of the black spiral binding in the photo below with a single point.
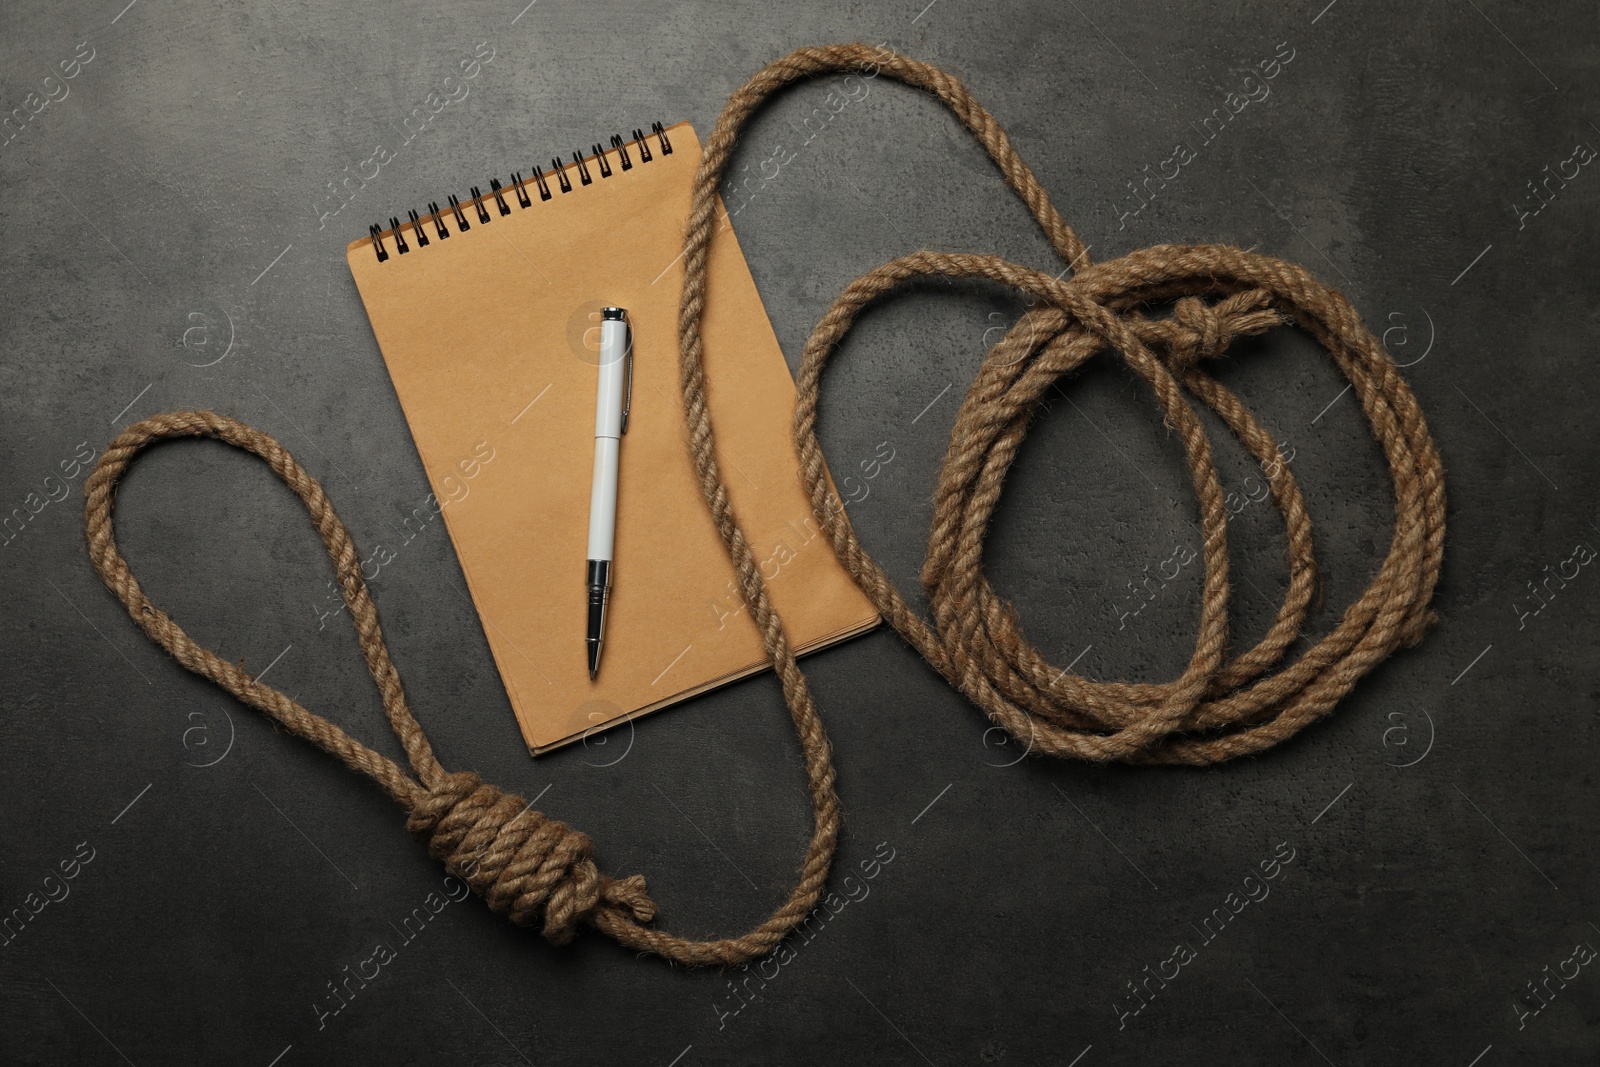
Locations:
(477, 203)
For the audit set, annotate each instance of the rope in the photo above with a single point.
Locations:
(536, 870)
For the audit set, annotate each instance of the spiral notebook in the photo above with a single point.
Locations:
(487, 314)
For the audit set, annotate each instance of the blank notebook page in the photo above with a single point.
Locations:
(491, 337)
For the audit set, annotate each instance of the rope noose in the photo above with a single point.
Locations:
(538, 871)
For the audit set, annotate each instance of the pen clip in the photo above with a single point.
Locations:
(627, 401)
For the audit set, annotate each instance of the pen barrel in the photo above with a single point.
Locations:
(613, 378)
(597, 579)
(603, 498)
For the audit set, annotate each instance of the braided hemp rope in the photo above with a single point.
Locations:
(536, 870)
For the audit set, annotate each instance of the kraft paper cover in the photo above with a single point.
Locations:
(491, 338)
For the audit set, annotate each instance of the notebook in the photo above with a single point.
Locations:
(487, 314)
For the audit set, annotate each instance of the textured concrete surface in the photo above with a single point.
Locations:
(172, 240)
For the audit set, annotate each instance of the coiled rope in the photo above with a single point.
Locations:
(536, 870)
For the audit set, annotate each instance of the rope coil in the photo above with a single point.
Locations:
(537, 871)
(526, 866)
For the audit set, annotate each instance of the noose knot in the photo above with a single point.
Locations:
(1199, 330)
(525, 865)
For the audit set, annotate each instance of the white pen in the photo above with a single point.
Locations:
(612, 402)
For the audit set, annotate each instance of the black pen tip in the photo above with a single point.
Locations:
(593, 673)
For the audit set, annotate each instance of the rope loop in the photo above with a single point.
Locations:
(1224, 704)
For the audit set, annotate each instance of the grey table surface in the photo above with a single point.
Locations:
(172, 240)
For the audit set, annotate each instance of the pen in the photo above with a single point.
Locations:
(612, 401)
